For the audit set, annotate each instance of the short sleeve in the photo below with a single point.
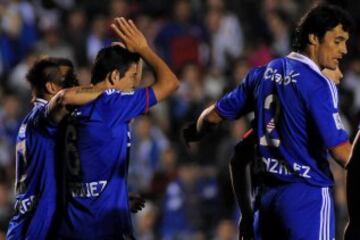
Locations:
(240, 100)
(43, 123)
(117, 106)
(325, 114)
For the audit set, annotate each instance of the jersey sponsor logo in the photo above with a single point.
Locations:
(338, 123)
(280, 167)
(273, 75)
(87, 190)
(111, 91)
(25, 205)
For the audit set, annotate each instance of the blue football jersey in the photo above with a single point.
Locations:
(97, 142)
(297, 118)
(36, 185)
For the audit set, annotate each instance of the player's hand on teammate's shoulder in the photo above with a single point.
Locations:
(131, 36)
(137, 202)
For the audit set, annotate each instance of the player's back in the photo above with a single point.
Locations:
(297, 121)
(97, 147)
(36, 185)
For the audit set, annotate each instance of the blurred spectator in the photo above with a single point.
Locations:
(279, 27)
(148, 145)
(226, 34)
(98, 37)
(166, 173)
(75, 34)
(223, 155)
(119, 8)
(189, 98)
(259, 53)
(17, 78)
(53, 45)
(180, 40)
(5, 150)
(146, 222)
(84, 75)
(351, 82)
(189, 207)
(10, 118)
(5, 209)
(214, 83)
(239, 70)
(226, 230)
(18, 33)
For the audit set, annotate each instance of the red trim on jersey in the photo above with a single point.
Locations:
(147, 100)
(248, 133)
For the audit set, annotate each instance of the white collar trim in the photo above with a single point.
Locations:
(40, 101)
(304, 59)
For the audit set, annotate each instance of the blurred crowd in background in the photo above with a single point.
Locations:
(210, 44)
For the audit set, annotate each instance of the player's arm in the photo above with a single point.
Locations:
(240, 176)
(342, 153)
(205, 124)
(76, 96)
(166, 81)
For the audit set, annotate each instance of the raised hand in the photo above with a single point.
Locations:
(131, 36)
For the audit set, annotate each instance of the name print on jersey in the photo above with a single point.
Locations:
(280, 167)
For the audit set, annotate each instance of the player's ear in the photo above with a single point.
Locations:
(313, 39)
(114, 77)
(51, 88)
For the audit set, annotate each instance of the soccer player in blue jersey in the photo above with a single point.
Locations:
(243, 172)
(297, 124)
(98, 139)
(36, 183)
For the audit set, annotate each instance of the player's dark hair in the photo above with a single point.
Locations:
(112, 58)
(318, 21)
(62, 62)
(40, 73)
(70, 78)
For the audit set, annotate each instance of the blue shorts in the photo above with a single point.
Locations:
(295, 211)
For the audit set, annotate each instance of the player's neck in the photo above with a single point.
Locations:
(312, 53)
(47, 97)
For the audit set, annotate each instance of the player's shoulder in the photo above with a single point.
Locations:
(255, 75)
(36, 114)
(34, 122)
(308, 70)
